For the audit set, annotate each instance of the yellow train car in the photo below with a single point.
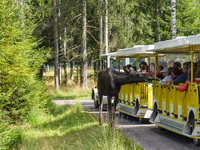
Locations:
(136, 99)
(177, 111)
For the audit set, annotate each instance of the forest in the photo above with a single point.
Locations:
(67, 33)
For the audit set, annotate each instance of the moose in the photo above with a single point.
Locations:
(109, 83)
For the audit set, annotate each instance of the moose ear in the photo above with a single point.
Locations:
(126, 69)
(132, 70)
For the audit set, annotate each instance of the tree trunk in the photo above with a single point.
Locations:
(83, 47)
(101, 32)
(157, 30)
(65, 56)
(60, 74)
(106, 27)
(71, 71)
(173, 19)
(56, 47)
(41, 71)
(65, 73)
(60, 38)
(77, 71)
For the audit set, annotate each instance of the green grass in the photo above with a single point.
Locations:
(71, 90)
(71, 93)
(68, 128)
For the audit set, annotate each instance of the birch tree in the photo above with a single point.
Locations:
(56, 47)
(157, 31)
(106, 27)
(173, 19)
(83, 47)
(101, 30)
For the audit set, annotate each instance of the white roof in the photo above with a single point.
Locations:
(180, 44)
(110, 54)
(136, 50)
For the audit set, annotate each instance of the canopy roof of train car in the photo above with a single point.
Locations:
(137, 50)
(110, 54)
(178, 45)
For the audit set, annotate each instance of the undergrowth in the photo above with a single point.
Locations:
(71, 89)
(71, 128)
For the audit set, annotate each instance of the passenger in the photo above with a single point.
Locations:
(167, 75)
(177, 64)
(159, 74)
(143, 69)
(144, 65)
(152, 69)
(175, 73)
(182, 77)
(196, 79)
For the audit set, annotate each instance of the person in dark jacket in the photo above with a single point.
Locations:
(182, 77)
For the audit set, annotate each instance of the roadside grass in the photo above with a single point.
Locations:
(71, 90)
(68, 128)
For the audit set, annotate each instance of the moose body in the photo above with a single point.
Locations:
(110, 82)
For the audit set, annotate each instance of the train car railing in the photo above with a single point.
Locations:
(129, 93)
(174, 104)
(133, 97)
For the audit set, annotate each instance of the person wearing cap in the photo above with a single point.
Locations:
(159, 73)
(167, 75)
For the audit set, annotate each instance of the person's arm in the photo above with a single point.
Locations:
(182, 88)
(177, 80)
(169, 81)
(163, 80)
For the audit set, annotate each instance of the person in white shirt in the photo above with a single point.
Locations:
(167, 75)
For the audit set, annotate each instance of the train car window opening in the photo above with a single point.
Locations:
(104, 63)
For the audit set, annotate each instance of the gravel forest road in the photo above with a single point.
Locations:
(148, 136)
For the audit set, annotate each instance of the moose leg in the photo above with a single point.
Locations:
(114, 110)
(110, 110)
(100, 109)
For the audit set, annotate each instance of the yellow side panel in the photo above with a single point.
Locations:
(167, 91)
(150, 104)
(126, 93)
(176, 104)
(193, 98)
(122, 93)
(164, 98)
(144, 94)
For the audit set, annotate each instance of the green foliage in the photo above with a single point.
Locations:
(20, 61)
(188, 12)
(69, 127)
(5, 136)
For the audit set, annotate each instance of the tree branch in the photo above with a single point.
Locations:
(93, 27)
(76, 23)
(71, 49)
(93, 37)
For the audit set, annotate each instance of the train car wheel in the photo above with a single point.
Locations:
(191, 122)
(143, 120)
(196, 142)
(96, 104)
(155, 112)
(161, 128)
